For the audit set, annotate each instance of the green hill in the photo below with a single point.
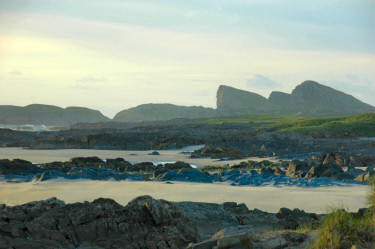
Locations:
(38, 114)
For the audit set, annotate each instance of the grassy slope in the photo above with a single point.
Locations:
(359, 125)
(252, 119)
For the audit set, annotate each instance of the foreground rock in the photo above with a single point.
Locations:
(211, 217)
(143, 223)
(7, 166)
(243, 237)
(146, 223)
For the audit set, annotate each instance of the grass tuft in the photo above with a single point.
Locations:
(342, 229)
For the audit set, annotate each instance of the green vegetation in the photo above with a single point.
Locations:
(252, 119)
(359, 125)
(214, 168)
(342, 229)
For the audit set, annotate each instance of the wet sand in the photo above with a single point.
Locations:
(45, 156)
(269, 199)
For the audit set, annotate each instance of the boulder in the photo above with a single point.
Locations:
(330, 170)
(144, 166)
(185, 175)
(177, 165)
(81, 161)
(154, 153)
(282, 239)
(365, 177)
(297, 168)
(245, 237)
(354, 172)
(232, 237)
(362, 160)
(292, 219)
(340, 158)
(118, 164)
(218, 152)
(159, 172)
(235, 208)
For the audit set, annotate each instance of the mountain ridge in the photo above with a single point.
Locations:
(308, 99)
(40, 114)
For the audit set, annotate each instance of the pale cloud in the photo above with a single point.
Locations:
(88, 79)
(16, 73)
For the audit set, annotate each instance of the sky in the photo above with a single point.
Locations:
(116, 54)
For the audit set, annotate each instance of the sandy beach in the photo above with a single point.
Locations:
(45, 156)
(269, 199)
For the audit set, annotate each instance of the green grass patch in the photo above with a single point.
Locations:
(251, 119)
(359, 125)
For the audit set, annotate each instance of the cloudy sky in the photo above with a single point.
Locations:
(115, 54)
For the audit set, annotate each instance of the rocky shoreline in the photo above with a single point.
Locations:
(148, 223)
(228, 140)
(332, 169)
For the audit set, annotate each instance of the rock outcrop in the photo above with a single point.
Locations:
(232, 101)
(309, 99)
(142, 223)
(323, 170)
(146, 223)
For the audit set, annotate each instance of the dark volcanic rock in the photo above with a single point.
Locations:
(297, 168)
(185, 175)
(154, 153)
(177, 165)
(92, 173)
(7, 166)
(292, 219)
(86, 161)
(143, 223)
(218, 152)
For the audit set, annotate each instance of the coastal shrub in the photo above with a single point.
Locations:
(342, 229)
(214, 168)
(371, 195)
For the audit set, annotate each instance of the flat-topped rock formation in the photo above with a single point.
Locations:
(307, 99)
(230, 100)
